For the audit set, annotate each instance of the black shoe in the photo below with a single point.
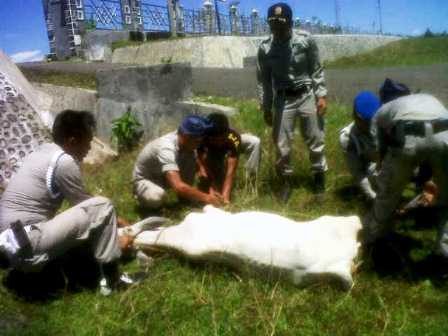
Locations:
(285, 193)
(319, 183)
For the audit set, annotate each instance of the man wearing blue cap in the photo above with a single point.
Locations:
(291, 85)
(170, 162)
(358, 143)
(410, 130)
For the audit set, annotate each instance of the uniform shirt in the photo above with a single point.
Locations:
(413, 107)
(33, 195)
(162, 155)
(230, 147)
(290, 64)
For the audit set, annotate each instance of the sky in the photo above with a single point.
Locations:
(23, 33)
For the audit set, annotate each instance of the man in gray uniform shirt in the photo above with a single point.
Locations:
(170, 162)
(410, 130)
(291, 83)
(35, 193)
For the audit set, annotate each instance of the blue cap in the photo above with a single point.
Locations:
(391, 90)
(280, 12)
(194, 125)
(366, 104)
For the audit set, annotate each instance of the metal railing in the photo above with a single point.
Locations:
(103, 14)
(108, 14)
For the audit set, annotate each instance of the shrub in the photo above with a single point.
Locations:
(126, 132)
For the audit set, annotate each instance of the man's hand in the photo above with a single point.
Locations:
(125, 242)
(321, 106)
(121, 222)
(215, 199)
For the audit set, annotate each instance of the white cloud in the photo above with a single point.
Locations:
(417, 32)
(28, 56)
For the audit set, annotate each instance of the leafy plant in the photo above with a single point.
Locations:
(126, 131)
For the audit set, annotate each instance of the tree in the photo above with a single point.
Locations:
(428, 33)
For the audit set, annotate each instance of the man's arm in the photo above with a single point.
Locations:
(316, 72)
(68, 180)
(264, 86)
(232, 165)
(186, 191)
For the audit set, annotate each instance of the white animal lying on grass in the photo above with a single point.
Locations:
(324, 248)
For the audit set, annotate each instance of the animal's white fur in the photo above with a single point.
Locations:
(325, 246)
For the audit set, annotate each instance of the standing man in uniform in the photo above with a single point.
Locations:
(410, 130)
(291, 85)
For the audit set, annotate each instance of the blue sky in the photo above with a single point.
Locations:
(23, 34)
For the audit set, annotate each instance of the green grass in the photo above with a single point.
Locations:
(125, 43)
(183, 298)
(406, 52)
(85, 81)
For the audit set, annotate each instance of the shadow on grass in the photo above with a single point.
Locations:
(79, 271)
(392, 257)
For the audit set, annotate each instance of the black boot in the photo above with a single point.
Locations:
(319, 183)
(285, 191)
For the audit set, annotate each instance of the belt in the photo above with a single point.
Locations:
(293, 91)
(417, 127)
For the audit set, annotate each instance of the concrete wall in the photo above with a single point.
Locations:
(342, 84)
(64, 97)
(150, 93)
(231, 51)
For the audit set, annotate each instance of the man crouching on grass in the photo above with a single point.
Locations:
(169, 162)
(30, 233)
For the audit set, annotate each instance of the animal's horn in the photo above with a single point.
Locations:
(144, 225)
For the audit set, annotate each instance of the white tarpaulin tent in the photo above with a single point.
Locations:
(23, 124)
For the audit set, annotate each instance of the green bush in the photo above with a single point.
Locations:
(126, 131)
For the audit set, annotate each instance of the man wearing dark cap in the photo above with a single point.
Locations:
(291, 85)
(170, 162)
(358, 144)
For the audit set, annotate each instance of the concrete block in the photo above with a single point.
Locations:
(64, 98)
(164, 83)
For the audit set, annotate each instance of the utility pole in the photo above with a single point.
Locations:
(218, 19)
(380, 17)
(337, 12)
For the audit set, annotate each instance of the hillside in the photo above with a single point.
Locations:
(406, 52)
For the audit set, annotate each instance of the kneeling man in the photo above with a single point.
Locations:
(30, 233)
(170, 162)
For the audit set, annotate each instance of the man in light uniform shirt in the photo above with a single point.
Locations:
(170, 162)
(31, 234)
(291, 85)
(410, 130)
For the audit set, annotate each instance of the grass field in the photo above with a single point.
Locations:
(182, 298)
(405, 52)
